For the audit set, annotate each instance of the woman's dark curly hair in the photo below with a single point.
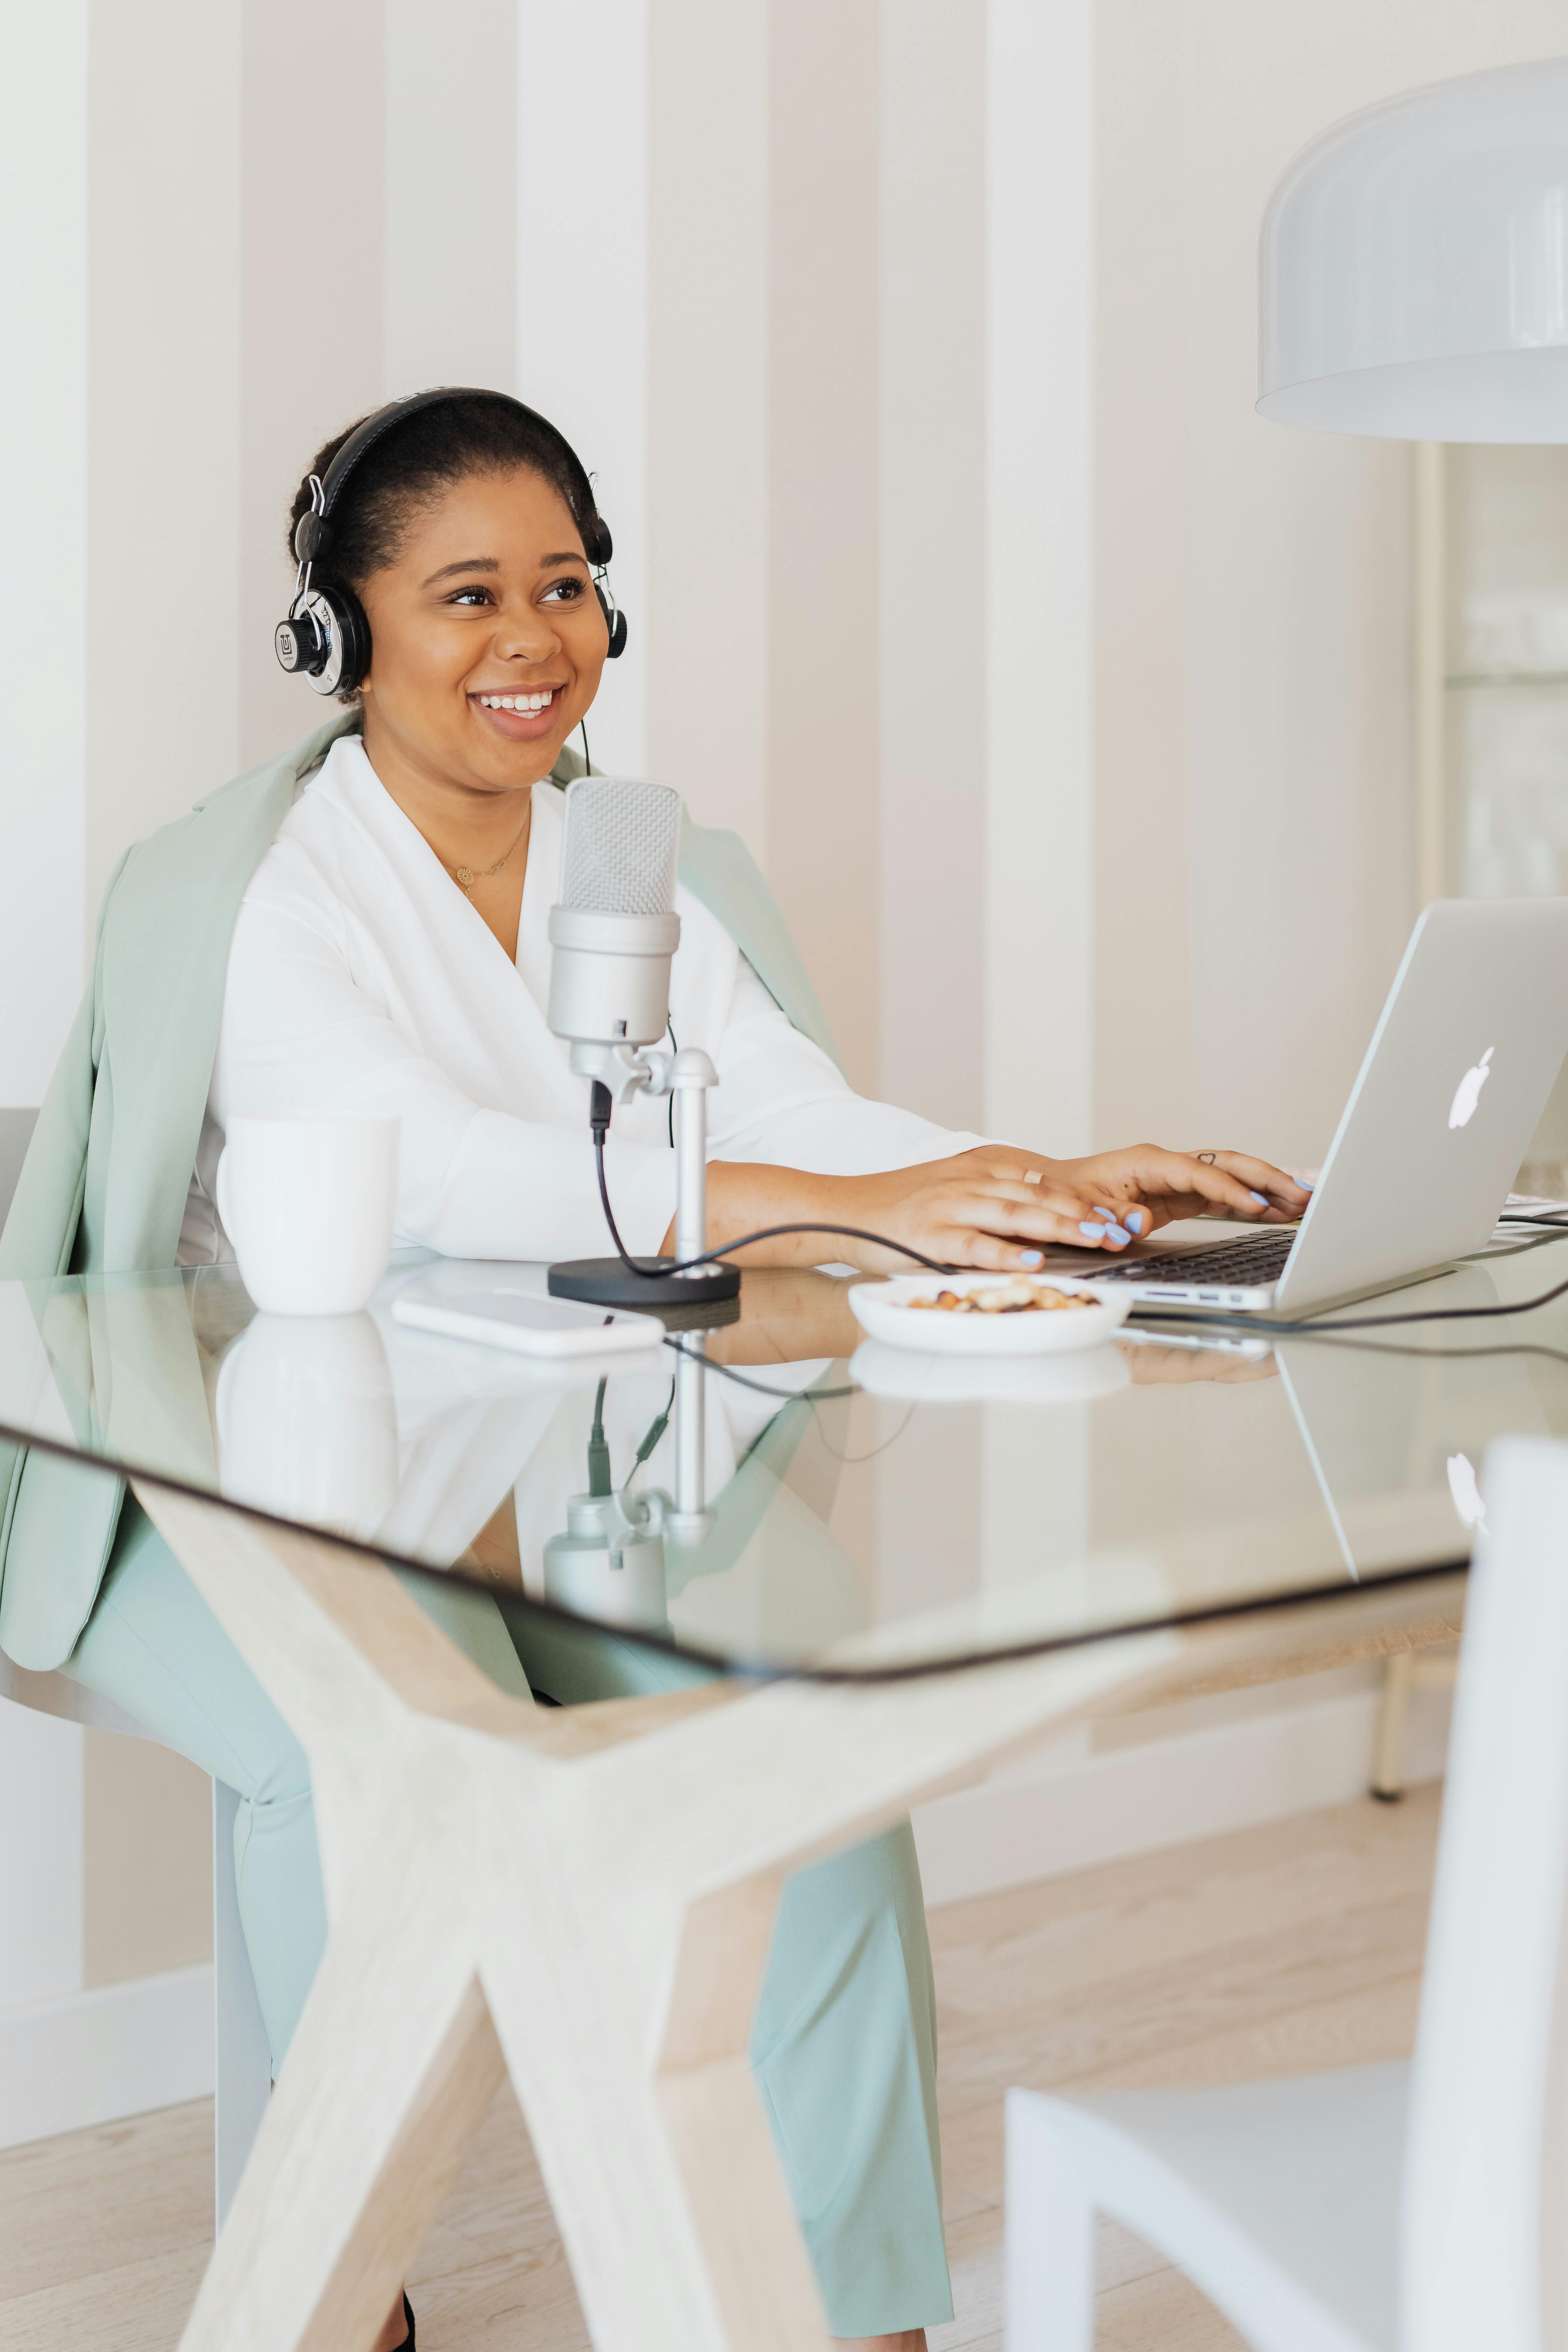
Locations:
(418, 457)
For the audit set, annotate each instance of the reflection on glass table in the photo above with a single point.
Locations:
(780, 1493)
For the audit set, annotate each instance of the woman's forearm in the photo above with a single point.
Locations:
(747, 1197)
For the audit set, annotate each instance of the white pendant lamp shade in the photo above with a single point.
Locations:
(1413, 268)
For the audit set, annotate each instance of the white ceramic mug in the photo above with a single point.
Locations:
(309, 1205)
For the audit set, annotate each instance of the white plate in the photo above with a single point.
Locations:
(883, 1309)
(912, 1378)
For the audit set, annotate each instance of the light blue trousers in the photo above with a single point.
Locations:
(844, 2046)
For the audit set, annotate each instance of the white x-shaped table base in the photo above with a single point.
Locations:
(582, 1898)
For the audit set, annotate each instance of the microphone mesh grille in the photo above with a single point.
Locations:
(620, 847)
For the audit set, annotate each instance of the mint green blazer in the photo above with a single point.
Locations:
(103, 1187)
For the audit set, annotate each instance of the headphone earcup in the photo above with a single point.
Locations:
(354, 632)
(615, 622)
(340, 621)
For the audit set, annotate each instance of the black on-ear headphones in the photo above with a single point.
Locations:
(326, 635)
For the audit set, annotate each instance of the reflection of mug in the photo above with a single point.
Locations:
(306, 1426)
(309, 1205)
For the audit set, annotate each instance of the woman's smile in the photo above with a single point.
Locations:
(521, 716)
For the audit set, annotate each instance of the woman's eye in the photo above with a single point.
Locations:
(567, 592)
(470, 596)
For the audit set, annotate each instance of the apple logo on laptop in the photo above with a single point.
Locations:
(1467, 1093)
(1465, 1491)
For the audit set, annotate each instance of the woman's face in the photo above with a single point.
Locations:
(490, 600)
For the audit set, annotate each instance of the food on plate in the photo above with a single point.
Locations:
(1019, 1297)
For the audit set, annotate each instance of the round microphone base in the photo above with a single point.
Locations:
(607, 1282)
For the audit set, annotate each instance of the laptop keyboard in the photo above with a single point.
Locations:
(1259, 1258)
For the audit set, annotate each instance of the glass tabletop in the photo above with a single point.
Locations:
(779, 1494)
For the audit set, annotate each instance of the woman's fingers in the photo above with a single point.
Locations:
(1185, 1184)
(979, 1253)
(997, 1223)
(1182, 1175)
(1261, 1176)
(1046, 1212)
(1013, 1222)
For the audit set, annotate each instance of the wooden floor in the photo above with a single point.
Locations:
(1270, 1951)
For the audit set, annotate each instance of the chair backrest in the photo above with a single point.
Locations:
(1480, 2259)
(15, 1134)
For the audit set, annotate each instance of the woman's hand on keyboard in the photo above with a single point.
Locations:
(1148, 1186)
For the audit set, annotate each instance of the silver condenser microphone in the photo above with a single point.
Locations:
(613, 932)
(615, 927)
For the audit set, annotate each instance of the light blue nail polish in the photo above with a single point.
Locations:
(1096, 1233)
(1134, 1221)
(1108, 1215)
(1306, 1183)
(1115, 1236)
(1259, 1198)
(1031, 1257)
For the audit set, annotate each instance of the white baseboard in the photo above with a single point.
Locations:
(89, 2057)
(1069, 1808)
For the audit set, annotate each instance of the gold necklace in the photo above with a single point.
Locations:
(465, 877)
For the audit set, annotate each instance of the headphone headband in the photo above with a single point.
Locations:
(312, 533)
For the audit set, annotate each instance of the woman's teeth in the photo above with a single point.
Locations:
(519, 701)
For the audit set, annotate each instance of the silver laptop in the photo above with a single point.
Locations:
(1455, 1080)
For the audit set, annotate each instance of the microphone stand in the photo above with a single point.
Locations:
(619, 1073)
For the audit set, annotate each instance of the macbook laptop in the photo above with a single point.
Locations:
(1452, 1088)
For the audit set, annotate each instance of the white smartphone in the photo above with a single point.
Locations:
(530, 1325)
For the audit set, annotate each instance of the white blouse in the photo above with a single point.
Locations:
(361, 981)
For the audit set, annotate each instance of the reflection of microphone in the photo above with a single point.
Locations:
(613, 932)
(610, 1563)
(614, 927)
(610, 1566)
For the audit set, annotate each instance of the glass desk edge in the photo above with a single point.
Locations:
(740, 1668)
